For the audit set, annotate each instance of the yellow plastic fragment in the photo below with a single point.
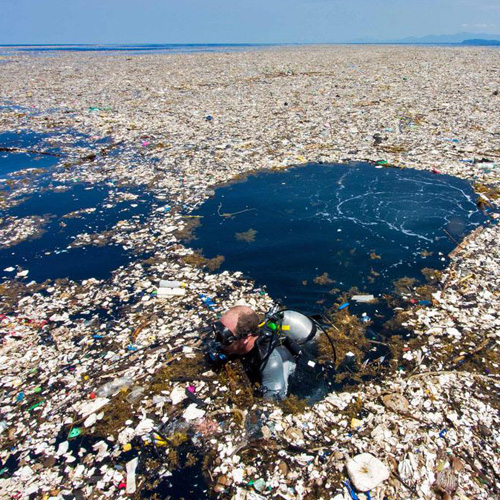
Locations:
(356, 423)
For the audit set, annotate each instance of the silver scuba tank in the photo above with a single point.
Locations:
(297, 326)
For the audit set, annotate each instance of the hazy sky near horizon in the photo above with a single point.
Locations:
(245, 21)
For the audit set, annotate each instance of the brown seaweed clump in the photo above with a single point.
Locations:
(182, 369)
(293, 405)
(404, 286)
(323, 279)
(432, 276)
(240, 388)
(197, 259)
(186, 234)
(491, 192)
(115, 416)
(347, 334)
(248, 236)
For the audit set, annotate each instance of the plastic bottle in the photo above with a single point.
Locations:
(114, 386)
(135, 394)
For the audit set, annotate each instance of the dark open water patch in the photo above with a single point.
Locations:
(363, 226)
(28, 149)
(13, 162)
(50, 256)
(311, 234)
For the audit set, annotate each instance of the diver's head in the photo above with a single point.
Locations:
(235, 327)
(236, 324)
(248, 324)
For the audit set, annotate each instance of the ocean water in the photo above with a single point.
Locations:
(363, 226)
(154, 48)
(51, 255)
(174, 48)
(13, 162)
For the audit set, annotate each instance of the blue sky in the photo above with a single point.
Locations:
(247, 21)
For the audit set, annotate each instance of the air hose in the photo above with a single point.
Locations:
(329, 339)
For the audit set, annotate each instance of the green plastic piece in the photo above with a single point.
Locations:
(36, 390)
(382, 162)
(36, 405)
(272, 326)
(75, 432)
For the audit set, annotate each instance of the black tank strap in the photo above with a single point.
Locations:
(314, 331)
(272, 342)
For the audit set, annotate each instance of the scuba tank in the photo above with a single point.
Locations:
(297, 327)
(292, 327)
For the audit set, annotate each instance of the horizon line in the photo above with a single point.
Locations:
(159, 44)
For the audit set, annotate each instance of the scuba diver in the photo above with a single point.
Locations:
(269, 349)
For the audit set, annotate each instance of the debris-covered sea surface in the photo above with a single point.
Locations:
(104, 384)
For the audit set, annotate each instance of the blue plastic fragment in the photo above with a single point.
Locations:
(207, 301)
(424, 302)
(351, 490)
(97, 337)
(343, 306)
(443, 432)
